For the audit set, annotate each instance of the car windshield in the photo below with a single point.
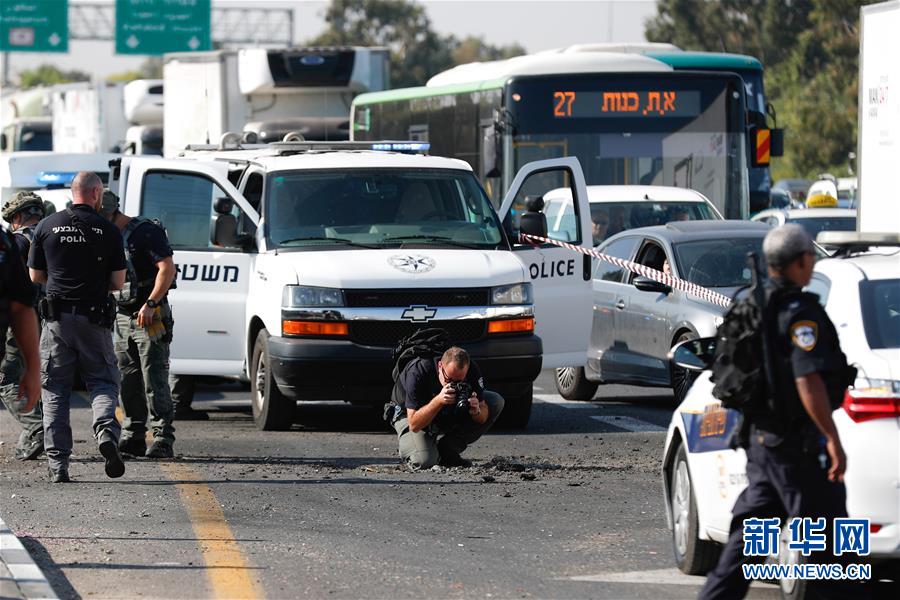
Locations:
(610, 218)
(717, 263)
(813, 225)
(881, 312)
(379, 208)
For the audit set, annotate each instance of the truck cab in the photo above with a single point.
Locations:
(302, 264)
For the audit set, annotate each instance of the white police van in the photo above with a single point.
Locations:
(301, 264)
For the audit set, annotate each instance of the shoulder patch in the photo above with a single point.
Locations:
(805, 334)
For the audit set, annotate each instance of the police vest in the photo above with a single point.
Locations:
(131, 291)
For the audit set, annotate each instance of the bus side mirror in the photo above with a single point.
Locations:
(777, 143)
(490, 152)
(2, 141)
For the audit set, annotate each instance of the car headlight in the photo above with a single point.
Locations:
(303, 296)
(517, 293)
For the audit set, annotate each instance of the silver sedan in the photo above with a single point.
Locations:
(637, 320)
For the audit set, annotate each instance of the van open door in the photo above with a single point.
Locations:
(561, 278)
(201, 211)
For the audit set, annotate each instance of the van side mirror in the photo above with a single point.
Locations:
(491, 154)
(2, 141)
(694, 355)
(223, 227)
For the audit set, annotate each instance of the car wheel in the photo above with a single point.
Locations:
(692, 555)
(791, 589)
(682, 379)
(516, 411)
(272, 410)
(572, 384)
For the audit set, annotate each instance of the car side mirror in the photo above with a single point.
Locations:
(2, 141)
(694, 355)
(645, 284)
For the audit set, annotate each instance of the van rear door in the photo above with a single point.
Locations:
(561, 277)
(209, 303)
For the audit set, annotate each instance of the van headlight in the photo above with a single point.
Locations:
(306, 296)
(517, 293)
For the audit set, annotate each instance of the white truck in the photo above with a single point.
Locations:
(25, 123)
(301, 265)
(266, 92)
(879, 117)
(143, 108)
(88, 117)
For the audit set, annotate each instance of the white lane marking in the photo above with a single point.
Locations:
(559, 401)
(654, 577)
(628, 423)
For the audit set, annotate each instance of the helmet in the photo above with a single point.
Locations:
(110, 203)
(23, 201)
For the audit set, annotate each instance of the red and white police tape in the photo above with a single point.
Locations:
(673, 282)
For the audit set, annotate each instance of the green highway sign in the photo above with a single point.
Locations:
(160, 26)
(34, 25)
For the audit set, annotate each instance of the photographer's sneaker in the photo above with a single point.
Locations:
(109, 448)
(450, 459)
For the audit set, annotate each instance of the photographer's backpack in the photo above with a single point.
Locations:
(424, 343)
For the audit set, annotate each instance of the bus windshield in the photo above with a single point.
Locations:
(678, 129)
(379, 208)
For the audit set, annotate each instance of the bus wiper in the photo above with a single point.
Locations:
(428, 238)
(343, 241)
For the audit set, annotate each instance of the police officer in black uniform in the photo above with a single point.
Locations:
(80, 257)
(23, 211)
(795, 461)
(17, 301)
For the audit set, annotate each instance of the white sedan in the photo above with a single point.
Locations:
(860, 289)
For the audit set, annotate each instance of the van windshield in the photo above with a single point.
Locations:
(379, 208)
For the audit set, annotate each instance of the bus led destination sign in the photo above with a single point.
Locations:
(625, 103)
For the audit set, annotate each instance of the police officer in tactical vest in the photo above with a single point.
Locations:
(17, 302)
(22, 212)
(144, 332)
(795, 461)
(80, 258)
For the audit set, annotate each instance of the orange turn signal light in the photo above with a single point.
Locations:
(314, 328)
(511, 325)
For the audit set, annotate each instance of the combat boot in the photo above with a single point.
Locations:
(109, 448)
(133, 446)
(58, 476)
(160, 449)
(31, 450)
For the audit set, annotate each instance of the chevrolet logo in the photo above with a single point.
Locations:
(419, 314)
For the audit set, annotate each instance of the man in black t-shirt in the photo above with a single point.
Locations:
(80, 257)
(434, 429)
(17, 299)
(23, 211)
(143, 333)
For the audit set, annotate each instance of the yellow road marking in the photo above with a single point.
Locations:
(227, 569)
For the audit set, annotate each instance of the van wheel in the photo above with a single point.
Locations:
(516, 411)
(272, 410)
(692, 555)
(682, 379)
(572, 384)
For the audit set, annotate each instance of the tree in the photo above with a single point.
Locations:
(810, 50)
(49, 75)
(417, 52)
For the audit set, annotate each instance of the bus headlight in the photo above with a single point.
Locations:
(517, 293)
(306, 296)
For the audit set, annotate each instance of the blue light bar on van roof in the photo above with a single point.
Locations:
(56, 177)
(402, 146)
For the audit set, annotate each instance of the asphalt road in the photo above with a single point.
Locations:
(569, 508)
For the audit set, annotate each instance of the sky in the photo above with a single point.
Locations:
(535, 24)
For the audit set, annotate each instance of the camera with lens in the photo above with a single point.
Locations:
(463, 392)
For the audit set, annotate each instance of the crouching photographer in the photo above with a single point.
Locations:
(441, 407)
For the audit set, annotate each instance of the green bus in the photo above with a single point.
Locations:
(627, 117)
